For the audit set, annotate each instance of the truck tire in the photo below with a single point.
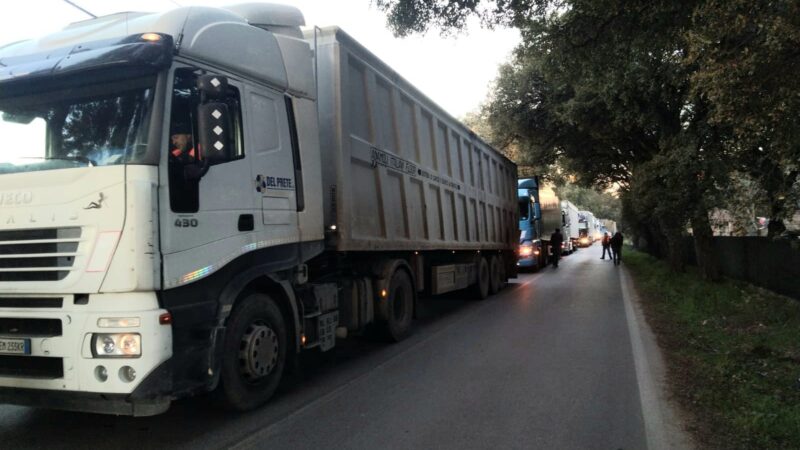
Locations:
(398, 310)
(494, 275)
(544, 256)
(254, 353)
(481, 288)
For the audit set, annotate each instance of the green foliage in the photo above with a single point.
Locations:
(418, 16)
(600, 87)
(732, 352)
(602, 90)
(647, 96)
(746, 58)
(746, 52)
(744, 202)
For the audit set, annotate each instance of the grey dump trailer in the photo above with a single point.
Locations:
(194, 200)
(571, 223)
(552, 217)
(610, 225)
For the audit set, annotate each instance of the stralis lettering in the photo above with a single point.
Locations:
(15, 198)
(41, 218)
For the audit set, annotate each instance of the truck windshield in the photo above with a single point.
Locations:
(82, 127)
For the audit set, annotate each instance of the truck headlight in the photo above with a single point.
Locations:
(117, 345)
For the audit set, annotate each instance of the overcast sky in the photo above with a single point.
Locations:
(455, 72)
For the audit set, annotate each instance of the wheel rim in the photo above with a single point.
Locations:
(259, 351)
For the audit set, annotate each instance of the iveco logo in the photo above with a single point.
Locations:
(15, 198)
(98, 204)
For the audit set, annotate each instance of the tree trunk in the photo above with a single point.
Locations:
(675, 254)
(704, 246)
(775, 228)
(649, 241)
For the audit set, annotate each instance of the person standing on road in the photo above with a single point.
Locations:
(616, 247)
(606, 243)
(556, 239)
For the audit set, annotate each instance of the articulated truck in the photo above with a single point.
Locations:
(609, 225)
(539, 215)
(586, 228)
(531, 255)
(571, 223)
(190, 199)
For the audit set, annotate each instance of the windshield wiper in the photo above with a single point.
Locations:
(78, 158)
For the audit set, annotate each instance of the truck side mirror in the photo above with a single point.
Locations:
(212, 86)
(213, 123)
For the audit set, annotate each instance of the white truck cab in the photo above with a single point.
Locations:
(102, 233)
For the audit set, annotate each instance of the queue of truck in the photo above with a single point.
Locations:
(541, 212)
(201, 195)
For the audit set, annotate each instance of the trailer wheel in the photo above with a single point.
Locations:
(494, 276)
(397, 308)
(254, 354)
(481, 288)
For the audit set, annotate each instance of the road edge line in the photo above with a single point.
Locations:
(663, 430)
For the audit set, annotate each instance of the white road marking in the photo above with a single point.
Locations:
(661, 424)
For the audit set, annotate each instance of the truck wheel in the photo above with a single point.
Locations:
(494, 276)
(481, 288)
(254, 354)
(398, 307)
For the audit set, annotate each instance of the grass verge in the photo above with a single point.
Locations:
(733, 355)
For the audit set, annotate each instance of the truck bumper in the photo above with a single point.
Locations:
(527, 263)
(148, 399)
(60, 369)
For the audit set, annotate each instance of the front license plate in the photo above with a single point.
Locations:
(15, 346)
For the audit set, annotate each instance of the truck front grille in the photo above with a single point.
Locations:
(43, 254)
(31, 367)
(13, 326)
(31, 302)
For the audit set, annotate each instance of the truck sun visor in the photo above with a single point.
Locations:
(133, 51)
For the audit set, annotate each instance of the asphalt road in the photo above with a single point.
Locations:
(547, 363)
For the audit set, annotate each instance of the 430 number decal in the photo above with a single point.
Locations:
(186, 223)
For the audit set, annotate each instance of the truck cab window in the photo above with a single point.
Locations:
(524, 209)
(185, 155)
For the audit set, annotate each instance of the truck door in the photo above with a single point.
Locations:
(272, 166)
(206, 220)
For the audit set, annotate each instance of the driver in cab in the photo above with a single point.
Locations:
(182, 150)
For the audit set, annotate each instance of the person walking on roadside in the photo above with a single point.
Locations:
(556, 239)
(606, 244)
(616, 247)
